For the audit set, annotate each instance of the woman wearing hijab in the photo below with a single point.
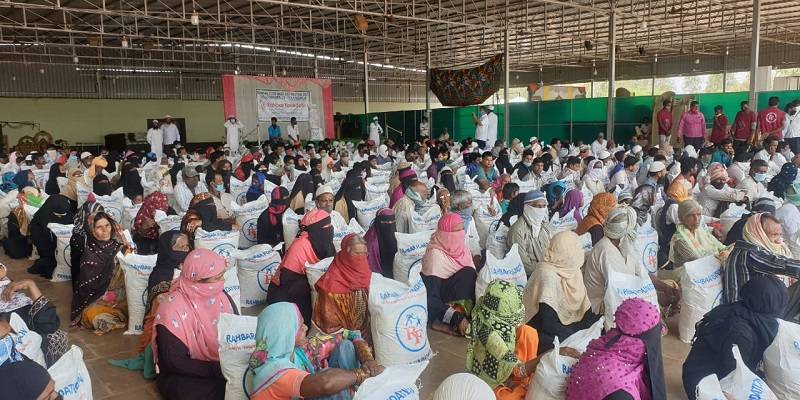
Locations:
(593, 179)
(98, 299)
(555, 195)
(185, 330)
(343, 290)
(573, 202)
(501, 348)
(624, 363)
(352, 189)
(202, 213)
(407, 177)
(70, 190)
(667, 217)
(286, 365)
(599, 208)
(314, 242)
(789, 217)
(131, 181)
(101, 186)
(256, 188)
(245, 167)
(555, 299)
(783, 180)
(644, 197)
(51, 187)
(302, 187)
(77, 242)
(449, 274)
(463, 386)
(24, 178)
(531, 233)
(692, 240)
(447, 179)
(716, 194)
(761, 252)
(17, 244)
(38, 312)
(503, 163)
(24, 379)
(56, 209)
(270, 222)
(750, 323)
(145, 228)
(382, 242)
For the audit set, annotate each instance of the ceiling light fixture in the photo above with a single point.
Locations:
(75, 59)
(195, 18)
(697, 60)
(125, 43)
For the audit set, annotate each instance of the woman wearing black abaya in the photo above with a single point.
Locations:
(202, 213)
(101, 185)
(302, 187)
(750, 323)
(447, 179)
(382, 243)
(131, 182)
(515, 208)
(352, 189)
(270, 222)
(51, 187)
(78, 240)
(56, 209)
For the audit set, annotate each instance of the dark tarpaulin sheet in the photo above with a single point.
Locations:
(463, 87)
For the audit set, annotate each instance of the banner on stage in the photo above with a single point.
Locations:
(282, 105)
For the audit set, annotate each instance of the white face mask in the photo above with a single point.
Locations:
(536, 216)
(52, 154)
(596, 173)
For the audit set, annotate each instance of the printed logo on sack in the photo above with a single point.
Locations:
(410, 328)
(249, 230)
(241, 198)
(650, 257)
(225, 250)
(66, 254)
(265, 275)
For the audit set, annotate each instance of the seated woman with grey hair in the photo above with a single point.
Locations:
(692, 240)
(616, 252)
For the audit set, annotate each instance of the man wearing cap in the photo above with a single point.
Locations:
(188, 188)
(375, 130)
(86, 160)
(532, 232)
(233, 130)
(155, 138)
(599, 144)
(655, 174)
(171, 135)
(324, 198)
(481, 126)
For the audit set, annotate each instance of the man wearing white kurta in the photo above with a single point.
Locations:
(171, 134)
(491, 129)
(293, 131)
(156, 139)
(233, 130)
(481, 127)
(375, 131)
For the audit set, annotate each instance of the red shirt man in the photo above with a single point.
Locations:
(742, 126)
(664, 119)
(719, 129)
(771, 120)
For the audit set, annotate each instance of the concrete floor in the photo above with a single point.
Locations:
(111, 383)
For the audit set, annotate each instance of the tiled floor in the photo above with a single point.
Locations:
(111, 383)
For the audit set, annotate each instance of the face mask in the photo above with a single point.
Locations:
(760, 177)
(220, 187)
(527, 164)
(73, 158)
(596, 174)
(465, 214)
(535, 215)
(51, 154)
(718, 185)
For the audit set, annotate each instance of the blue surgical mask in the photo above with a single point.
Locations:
(73, 158)
(760, 177)
(220, 187)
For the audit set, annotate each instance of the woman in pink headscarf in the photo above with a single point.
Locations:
(573, 202)
(185, 338)
(407, 177)
(625, 363)
(314, 242)
(449, 275)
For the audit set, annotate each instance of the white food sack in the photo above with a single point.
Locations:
(509, 269)
(26, 341)
(291, 225)
(137, 269)
(647, 247)
(255, 267)
(567, 223)
(236, 335)
(496, 239)
(72, 380)
(112, 204)
(402, 385)
(782, 361)
(63, 233)
(368, 209)
(399, 319)
(166, 222)
(743, 384)
(313, 273)
(247, 219)
(701, 290)
(223, 243)
(239, 190)
(340, 232)
(410, 249)
(129, 211)
(428, 220)
(552, 373)
(622, 286)
(731, 215)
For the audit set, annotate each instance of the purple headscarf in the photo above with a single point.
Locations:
(572, 202)
(382, 243)
(406, 177)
